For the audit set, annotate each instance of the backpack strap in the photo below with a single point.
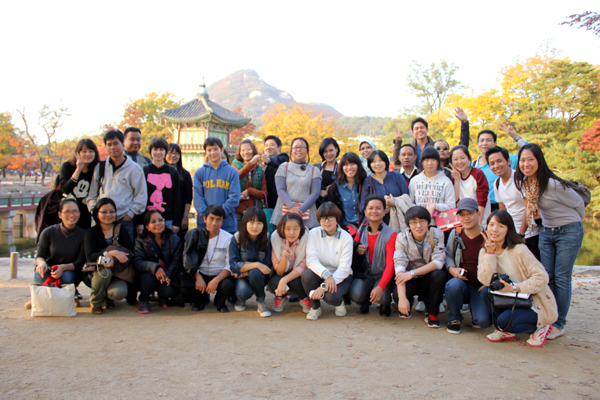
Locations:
(498, 183)
(431, 238)
(116, 231)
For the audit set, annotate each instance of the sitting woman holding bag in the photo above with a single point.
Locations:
(60, 249)
(158, 258)
(106, 287)
(505, 254)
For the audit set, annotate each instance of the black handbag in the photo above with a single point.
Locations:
(501, 302)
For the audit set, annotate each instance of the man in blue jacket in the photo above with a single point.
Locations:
(217, 183)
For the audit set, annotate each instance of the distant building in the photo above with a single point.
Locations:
(196, 120)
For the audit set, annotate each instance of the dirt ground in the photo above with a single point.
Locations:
(176, 353)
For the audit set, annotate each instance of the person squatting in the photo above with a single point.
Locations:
(352, 229)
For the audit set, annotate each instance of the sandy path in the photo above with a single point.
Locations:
(175, 353)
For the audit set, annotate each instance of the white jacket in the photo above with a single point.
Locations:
(437, 190)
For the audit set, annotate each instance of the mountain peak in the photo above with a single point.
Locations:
(247, 90)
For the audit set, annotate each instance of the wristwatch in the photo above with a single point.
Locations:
(324, 286)
(412, 272)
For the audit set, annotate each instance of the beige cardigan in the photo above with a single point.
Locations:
(533, 276)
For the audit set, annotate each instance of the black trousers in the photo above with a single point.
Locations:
(296, 288)
(225, 289)
(429, 287)
(532, 245)
(311, 281)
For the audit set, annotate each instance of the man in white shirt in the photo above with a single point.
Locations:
(206, 263)
(510, 198)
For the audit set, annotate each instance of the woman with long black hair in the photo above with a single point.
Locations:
(506, 254)
(329, 150)
(186, 186)
(345, 191)
(551, 201)
(76, 175)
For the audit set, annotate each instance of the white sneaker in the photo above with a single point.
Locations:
(442, 308)
(313, 314)
(538, 338)
(340, 310)
(555, 333)
(420, 307)
(263, 310)
(465, 309)
(499, 336)
(240, 305)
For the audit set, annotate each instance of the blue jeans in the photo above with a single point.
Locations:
(128, 225)
(459, 292)
(254, 283)
(66, 277)
(360, 290)
(524, 320)
(559, 248)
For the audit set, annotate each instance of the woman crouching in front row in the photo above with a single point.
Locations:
(505, 253)
(158, 258)
(329, 259)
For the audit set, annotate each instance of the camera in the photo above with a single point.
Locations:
(496, 285)
(103, 261)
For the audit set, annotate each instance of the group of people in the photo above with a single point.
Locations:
(362, 229)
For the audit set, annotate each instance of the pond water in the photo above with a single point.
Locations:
(588, 255)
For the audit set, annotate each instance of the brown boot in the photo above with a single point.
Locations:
(97, 310)
(27, 305)
(77, 302)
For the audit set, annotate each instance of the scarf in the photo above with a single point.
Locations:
(531, 190)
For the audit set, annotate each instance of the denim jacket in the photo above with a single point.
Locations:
(238, 255)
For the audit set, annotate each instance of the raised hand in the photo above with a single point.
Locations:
(509, 130)
(456, 175)
(460, 114)
(398, 137)
(490, 246)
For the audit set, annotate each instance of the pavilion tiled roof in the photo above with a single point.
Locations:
(201, 108)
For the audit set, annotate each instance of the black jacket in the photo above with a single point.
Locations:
(196, 243)
(270, 171)
(146, 257)
(95, 243)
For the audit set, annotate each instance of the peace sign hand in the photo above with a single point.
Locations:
(509, 130)
(455, 173)
(490, 246)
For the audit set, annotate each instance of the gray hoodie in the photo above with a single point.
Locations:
(437, 190)
(126, 186)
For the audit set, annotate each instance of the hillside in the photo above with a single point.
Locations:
(246, 89)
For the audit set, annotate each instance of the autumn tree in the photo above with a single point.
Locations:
(433, 84)
(589, 20)
(143, 113)
(288, 123)
(27, 154)
(237, 135)
(7, 133)
(590, 139)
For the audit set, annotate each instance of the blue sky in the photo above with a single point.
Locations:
(354, 56)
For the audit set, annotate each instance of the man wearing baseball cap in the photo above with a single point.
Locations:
(462, 256)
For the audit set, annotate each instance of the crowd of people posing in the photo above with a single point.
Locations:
(357, 228)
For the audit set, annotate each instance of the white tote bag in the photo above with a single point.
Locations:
(47, 301)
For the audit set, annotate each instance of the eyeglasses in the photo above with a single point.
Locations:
(157, 221)
(415, 223)
(70, 212)
(329, 219)
(441, 148)
(298, 148)
(107, 212)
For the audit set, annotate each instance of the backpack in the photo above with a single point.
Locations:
(581, 190)
(46, 212)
